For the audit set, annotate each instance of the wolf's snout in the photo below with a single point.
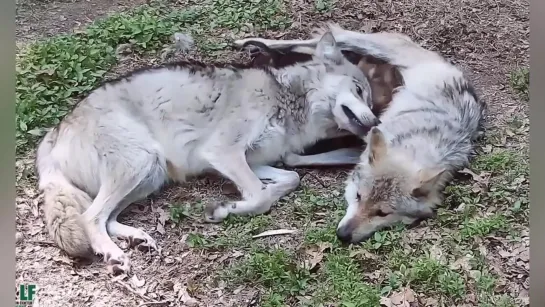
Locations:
(344, 234)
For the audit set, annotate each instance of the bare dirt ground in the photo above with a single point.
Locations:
(489, 39)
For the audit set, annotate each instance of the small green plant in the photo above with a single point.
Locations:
(316, 235)
(451, 284)
(323, 6)
(520, 82)
(384, 240)
(178, 212)
(196, 240)
(480, 227)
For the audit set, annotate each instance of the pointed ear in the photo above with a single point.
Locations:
(327, 49)
(428, 179)
(377, 146)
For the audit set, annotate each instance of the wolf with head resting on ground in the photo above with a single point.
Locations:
(426, 134)
(129, 136)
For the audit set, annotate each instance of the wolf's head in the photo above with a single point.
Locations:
(385, 189)
(343, 89)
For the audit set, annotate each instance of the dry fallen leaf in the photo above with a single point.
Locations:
(163, 216)
(462, 263)
(316, 254)
(431, 302)
(364, 253)
(160, 229)
(275, 233)
(183, 295)
(437, 254)
(402, 298)
(137, 283)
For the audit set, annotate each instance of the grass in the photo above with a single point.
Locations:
(520, 82)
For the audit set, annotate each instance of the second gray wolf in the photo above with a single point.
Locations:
(427, 132)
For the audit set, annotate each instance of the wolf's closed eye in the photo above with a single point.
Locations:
(381, 213)
(359, 90)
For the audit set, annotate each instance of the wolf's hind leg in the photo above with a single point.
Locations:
(135, 236)
(127, 180)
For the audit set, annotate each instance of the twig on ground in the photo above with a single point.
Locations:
(46, 243)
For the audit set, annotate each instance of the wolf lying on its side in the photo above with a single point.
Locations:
(125, 139)
(427, 133)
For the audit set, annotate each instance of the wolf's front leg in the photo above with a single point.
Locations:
(343, 156)
(257, 197)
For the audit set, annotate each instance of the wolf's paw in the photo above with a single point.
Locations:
(134, 236)
(118, 264)
(216, 212)
(143, 242)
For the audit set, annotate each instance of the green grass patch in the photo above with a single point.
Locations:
(53, 73)
(342, 280)
(275, 270)
(481, 227)
(520, 82)
(326, 233)
(236, 15)
(429, 276)
(500, 161)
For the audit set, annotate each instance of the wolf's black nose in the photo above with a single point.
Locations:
(344, 235)
(377, 122)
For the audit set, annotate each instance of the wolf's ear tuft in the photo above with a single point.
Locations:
(428, 179)
(327, 49)
(377, 146)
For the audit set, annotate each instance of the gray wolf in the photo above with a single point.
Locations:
(129, 136)
(426, 134)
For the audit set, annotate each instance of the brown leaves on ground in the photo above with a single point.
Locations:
(404, 297)
(314, 255)
(481, 181)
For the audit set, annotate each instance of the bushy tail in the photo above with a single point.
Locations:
(63, 203)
